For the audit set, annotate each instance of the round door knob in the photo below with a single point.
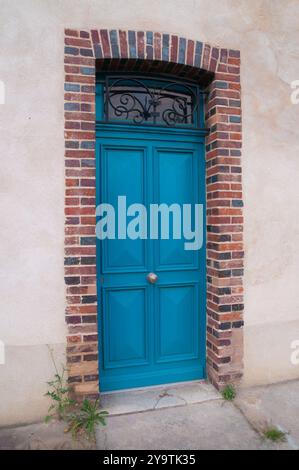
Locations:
(152, 278)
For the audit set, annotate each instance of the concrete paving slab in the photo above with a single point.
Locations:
(40, 436)
(137, 400)
(273, 405)
(209, 425)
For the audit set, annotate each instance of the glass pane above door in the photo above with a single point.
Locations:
(150, 101)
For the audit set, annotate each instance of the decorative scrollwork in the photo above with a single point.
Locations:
(130, 99)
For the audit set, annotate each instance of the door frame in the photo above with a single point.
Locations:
(217, 69)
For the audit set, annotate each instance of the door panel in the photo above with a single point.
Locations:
(175, 171)
(125, 327)
(177, 331)
(150, 333)
(123, 174)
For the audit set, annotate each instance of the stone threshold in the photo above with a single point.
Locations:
(157, 397)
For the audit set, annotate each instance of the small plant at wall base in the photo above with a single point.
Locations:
(59, 393)
(81, 419)
(274, 435)
(229, 392)
(85, 420)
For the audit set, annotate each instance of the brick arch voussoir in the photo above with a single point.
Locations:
(155, 46)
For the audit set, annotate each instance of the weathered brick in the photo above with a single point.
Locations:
(105, 43)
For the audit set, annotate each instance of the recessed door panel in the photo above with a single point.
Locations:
(123, 174)
(125, 327)
(176, 176)
(177, 323)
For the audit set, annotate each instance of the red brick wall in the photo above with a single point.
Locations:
(154, 52)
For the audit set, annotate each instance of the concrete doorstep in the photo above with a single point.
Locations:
(178, 417)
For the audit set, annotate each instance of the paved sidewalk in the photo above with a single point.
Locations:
(185, 416)
(273, 405)
(39, 436)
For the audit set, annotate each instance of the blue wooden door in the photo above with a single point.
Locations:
(150, 333)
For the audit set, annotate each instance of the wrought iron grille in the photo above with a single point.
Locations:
(151, 101)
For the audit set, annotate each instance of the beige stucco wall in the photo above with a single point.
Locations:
(32, 175)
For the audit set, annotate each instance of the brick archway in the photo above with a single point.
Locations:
(219, 69)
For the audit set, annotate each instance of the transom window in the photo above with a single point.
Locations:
(147, 101)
